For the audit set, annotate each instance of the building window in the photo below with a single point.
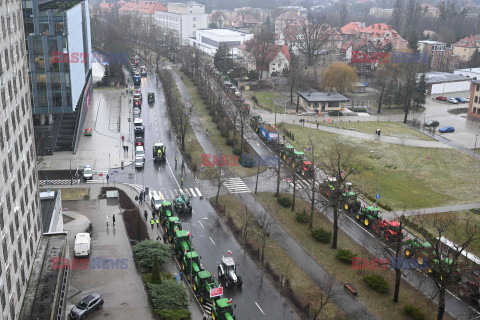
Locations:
(474, 110)
(15, 262)
(12, 308)
(12, 234)
(476, 99)
(1, 219)
(19, 291)
(9, 280)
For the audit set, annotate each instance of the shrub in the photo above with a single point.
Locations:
(302, 216)
(223, 132)
(86, 197)
(230, 142)
(345, 255)
(413, 312)
(176, 314)
(237, 151)
(145, 251)
(321, 235)
(169, 295)
(284, 201)
(377, 283)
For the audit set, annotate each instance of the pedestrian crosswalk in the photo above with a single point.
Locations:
(58, 182)
(304, 183)
(236, 185)
(169, 194)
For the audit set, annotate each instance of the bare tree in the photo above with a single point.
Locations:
(446, 261)
(325, 295)
(265, 222)
(314, 34)
(338, 163)
(261, 47)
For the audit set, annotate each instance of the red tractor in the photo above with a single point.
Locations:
(388, 230)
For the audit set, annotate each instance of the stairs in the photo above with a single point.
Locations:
(66, 133)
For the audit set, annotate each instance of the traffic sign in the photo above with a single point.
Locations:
(377, 196)
(309, 148)
(100, 174)
(288, 179)
(216, 292)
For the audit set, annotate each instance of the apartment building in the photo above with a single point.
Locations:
(20, 215)
(184, 18)
(474, 104)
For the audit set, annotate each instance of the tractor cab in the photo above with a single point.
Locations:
(288, 151)
(171, 226)
(255, 122)
(369, 215)
(151, 97)
(182, 243)
(182, 203)
(137, 103)
(245, 108)
(139, 141)
(222, 309)
(298, 157)
(328, 185)
(166, 211)
(159, 152)
(191, 263)
(307, 169)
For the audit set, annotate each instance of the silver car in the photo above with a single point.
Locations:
(86, 306)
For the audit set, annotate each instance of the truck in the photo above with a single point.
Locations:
(181, 243)
(222, 309)
(269, 133)
(191, 265)
(166, 212)
(172, 224)
(159, 152)
(182, 204)
(202, 284)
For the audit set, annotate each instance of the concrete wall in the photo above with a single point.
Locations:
(440, 88)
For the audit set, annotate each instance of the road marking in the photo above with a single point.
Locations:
(201, 224)
(192, 192)
(198, 191)
(212, 241)
(259, 308)
(371, 235)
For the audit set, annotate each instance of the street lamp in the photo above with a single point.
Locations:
(379, 171)
(475, 148)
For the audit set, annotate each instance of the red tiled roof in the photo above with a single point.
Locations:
(352, 28)
(252, 47)
(106, 7)
(472, 41)
(143, 7)
(290, 15)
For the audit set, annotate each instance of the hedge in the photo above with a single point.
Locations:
(377, 283)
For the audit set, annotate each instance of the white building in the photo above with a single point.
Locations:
(208, 40)
(183, 18)
(20, 219)
(473, 73)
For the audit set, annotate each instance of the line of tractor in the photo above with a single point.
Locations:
(201, 280)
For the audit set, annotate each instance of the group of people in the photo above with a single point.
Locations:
(302, 121)
(141, 198)
(108, 219)
(125, 149)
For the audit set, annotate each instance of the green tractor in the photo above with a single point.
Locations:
(350, 200)
(222, 309)
(287, 152)
(151, 97)
(255, 122)
(166, 211)
(368, 216)
(191, 262)
(327, 186)
(434, 269)
(418, 249)
(298, 157)
(181, 243)
(182, 204)
(171, 226)
(159, 152)
(203, 282)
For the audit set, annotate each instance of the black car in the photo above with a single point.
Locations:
(432, 123)
(86, 306)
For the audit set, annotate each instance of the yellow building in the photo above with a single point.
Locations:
(466, 47)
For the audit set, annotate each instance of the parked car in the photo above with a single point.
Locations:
(460, 100)
(86, 306)
(446, 129)
(432, 123)
(82, 245)
(88, 132)
(87, 173)
(452, 100)
(441, 98)
(467, 99)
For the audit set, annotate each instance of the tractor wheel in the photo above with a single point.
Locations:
(366, 222)
(188, 277)
(409, 252)
(170, 238)
(165, 228)
(194, 287)
(213, 316)
(421, 261)
(346, 206)
(227, 283)
(430, 271)
(240, 282)
(358, 217)
(202, 299)
(183, 266)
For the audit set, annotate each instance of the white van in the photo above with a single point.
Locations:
(138, 125)
(139, 152)
(82, 245)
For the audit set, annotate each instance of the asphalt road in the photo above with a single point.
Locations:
(257, 299)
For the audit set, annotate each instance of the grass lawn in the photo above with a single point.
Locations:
(379, 304)
(305, 289)
(413, 180)
(391, 129)
(217, 139)
(266, 100)
(457, 222)
(73, 193)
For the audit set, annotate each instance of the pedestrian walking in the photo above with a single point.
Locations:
(136, 198)
(108, 178)
(158, 222)
(145, 214)
(113, 219)
(126, 147)
(152, 222)
(181, 276)
(106, 218)
(153, 214)
(181, 182)
(317, 124)
(165, 238)
(141, 197)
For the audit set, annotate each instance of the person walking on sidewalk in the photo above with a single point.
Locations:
(136, 198)
(126, 147)
(152, 222)
(158, 222)
(113, 219)
(145, 214)
(141, 197)
(108, 178)
(106, 218)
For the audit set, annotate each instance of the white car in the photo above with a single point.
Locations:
(467, 99)
(452, 100)
(139, 162)
(156, 202)
(138, 125)
(87, 173)
(82, 245)
(139, 152)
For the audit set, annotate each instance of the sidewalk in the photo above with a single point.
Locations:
(104, 148)
(352, 307)
(458, 207)
(269, 117)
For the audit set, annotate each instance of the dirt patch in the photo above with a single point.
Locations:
(74, 193)
(458, 110)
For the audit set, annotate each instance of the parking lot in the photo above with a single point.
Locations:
(449, 114)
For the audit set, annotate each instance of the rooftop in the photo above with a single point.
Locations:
(47, 204)
(322, 96)
(439, 77)
(45, 284)
(222, 32)
(58, 5)
(474, 70)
